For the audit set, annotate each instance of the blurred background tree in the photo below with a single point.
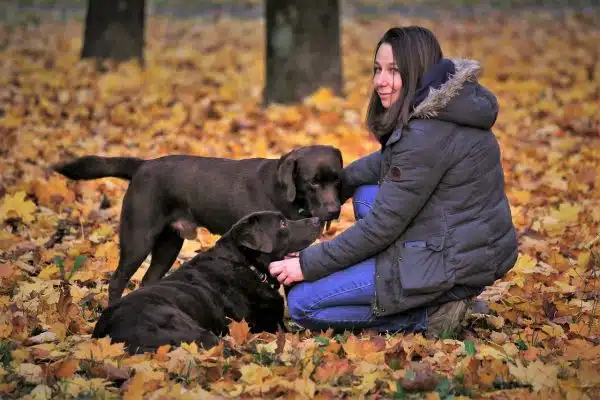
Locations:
(114, 30)
(302, 49)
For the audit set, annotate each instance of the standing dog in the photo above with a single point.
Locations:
(231, 280)
(172, 195)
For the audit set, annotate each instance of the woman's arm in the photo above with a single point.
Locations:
(364, 171)
(418, 163)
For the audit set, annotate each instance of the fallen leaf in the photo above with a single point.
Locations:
(239, 331)
(16, 206)
(538, 374)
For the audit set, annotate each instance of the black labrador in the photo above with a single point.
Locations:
(231, 280)
(169, 197)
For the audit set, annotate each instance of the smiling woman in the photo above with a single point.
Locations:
(434, 224)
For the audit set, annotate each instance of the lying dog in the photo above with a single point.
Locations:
(169, 197)
(231, 280)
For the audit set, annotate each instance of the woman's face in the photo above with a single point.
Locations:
(386, 77)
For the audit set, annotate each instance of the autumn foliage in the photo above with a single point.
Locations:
(201, 94)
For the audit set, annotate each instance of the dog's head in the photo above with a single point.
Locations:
(268, 236)
(310, 180)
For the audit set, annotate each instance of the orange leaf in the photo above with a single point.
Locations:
(239, 331)
(161, 352)
(332, 370)
(360, 348)
(66, 368)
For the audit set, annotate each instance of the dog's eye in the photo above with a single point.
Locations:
(283, 224)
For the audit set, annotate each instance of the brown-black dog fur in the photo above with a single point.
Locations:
(169, 196)
(195, 301)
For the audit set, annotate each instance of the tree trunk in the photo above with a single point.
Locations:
(114, 30)
(303, 49)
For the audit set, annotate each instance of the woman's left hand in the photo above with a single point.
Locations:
(287, 271)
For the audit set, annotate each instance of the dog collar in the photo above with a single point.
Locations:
(262, 276)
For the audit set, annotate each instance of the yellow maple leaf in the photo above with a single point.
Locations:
(135, 387)
(16, 206)
(99, 349)
(76, 385)
(49, 272)
(5, 329)
(102, 233)
(369, 382)
(254, 374)
(371, 349)
(537, 373)
(191, 348)
(583, 259)
(554, 330)
(109, 251)
(525, 264)
(567, 213)
(520, 196)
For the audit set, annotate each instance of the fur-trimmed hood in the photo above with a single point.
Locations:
(461, 99)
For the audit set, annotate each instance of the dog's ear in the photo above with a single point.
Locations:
(285, 175)
(251, 236)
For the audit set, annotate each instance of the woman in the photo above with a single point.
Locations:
(439, 228)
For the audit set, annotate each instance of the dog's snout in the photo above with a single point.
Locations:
(334, 215)
(333, 208)
(333, 212)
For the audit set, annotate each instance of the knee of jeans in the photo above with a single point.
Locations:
(363, 199)
(361, 209)
(298, 303)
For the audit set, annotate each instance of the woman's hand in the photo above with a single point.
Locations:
(287, 271)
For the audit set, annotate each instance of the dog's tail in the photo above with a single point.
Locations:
(94, 167)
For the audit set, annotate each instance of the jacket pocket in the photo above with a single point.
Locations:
(422, 266)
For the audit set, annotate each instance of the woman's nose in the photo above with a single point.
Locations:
(381, 80)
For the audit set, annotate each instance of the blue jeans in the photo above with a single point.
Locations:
(343, 300)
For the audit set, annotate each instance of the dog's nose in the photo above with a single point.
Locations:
(333, 209)
(333, 214)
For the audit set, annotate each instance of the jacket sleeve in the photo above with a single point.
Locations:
(417, 166)
(364, 171)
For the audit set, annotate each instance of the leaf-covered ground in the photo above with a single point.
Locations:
(201, 94)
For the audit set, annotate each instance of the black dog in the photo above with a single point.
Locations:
(169, 197)
(231, 280)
